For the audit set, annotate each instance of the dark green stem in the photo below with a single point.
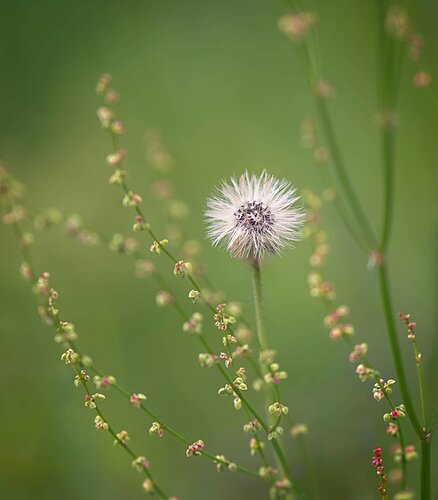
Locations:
(426, 444)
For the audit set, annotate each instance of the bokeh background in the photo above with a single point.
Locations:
(229, 94)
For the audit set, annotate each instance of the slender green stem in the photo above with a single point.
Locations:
(168, 253)
(326, 122)
(275, 444)
(261, 333)
(391, 71)
(342, 210)
(426, 491)
(420, 385)
(123, 444)
(260, 325)
(161, 282)
(169, 429)
(305, 454)
(388, 143)
(395, 350)
(341, 171)
(404, 476)
(27, 256)
(258, 302)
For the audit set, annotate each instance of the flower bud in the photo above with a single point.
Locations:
(182, 269)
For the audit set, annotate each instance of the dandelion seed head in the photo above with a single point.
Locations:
(254, 215)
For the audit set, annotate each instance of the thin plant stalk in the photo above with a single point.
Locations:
(274, 442)
(28, 258)
(261, 334)
(388, 155)
(424, 434)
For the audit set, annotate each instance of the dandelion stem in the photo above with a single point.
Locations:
(260, 325)
(258, 302)
(261, 333)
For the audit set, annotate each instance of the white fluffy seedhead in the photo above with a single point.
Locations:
(254, 215)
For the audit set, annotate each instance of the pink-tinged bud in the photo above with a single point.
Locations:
(195, 449)
(136, 399)
(335, 333)
(296, 26)
(117, 127)
(105, 116)
(324, 90)
(378, 395)
(375, 259)
(140, 464)
(163, 298)
(415, 46)
(115, 159)
(103, 83)
(182, 269)
(331, 319)
(111, 97)
(131, 200)
(422, 79)
(392, 429)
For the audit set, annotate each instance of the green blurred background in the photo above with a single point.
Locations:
(228, 92)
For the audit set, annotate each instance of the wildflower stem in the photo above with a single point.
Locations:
(310, 466)
(259, 444)
(170, 430)
(343, 212)
(258, 302)
(164, 249)
(261, 334)
(341, 171)
(57, 322)
(391, 77)
(123, 444)
(260, 325)
(275, 444)
(115, 143)
(174, 433)
(395, 349)
(185, 316)
(400, 438)
(420, 385)
(388, 141)
(391, 405)
(425, 466)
